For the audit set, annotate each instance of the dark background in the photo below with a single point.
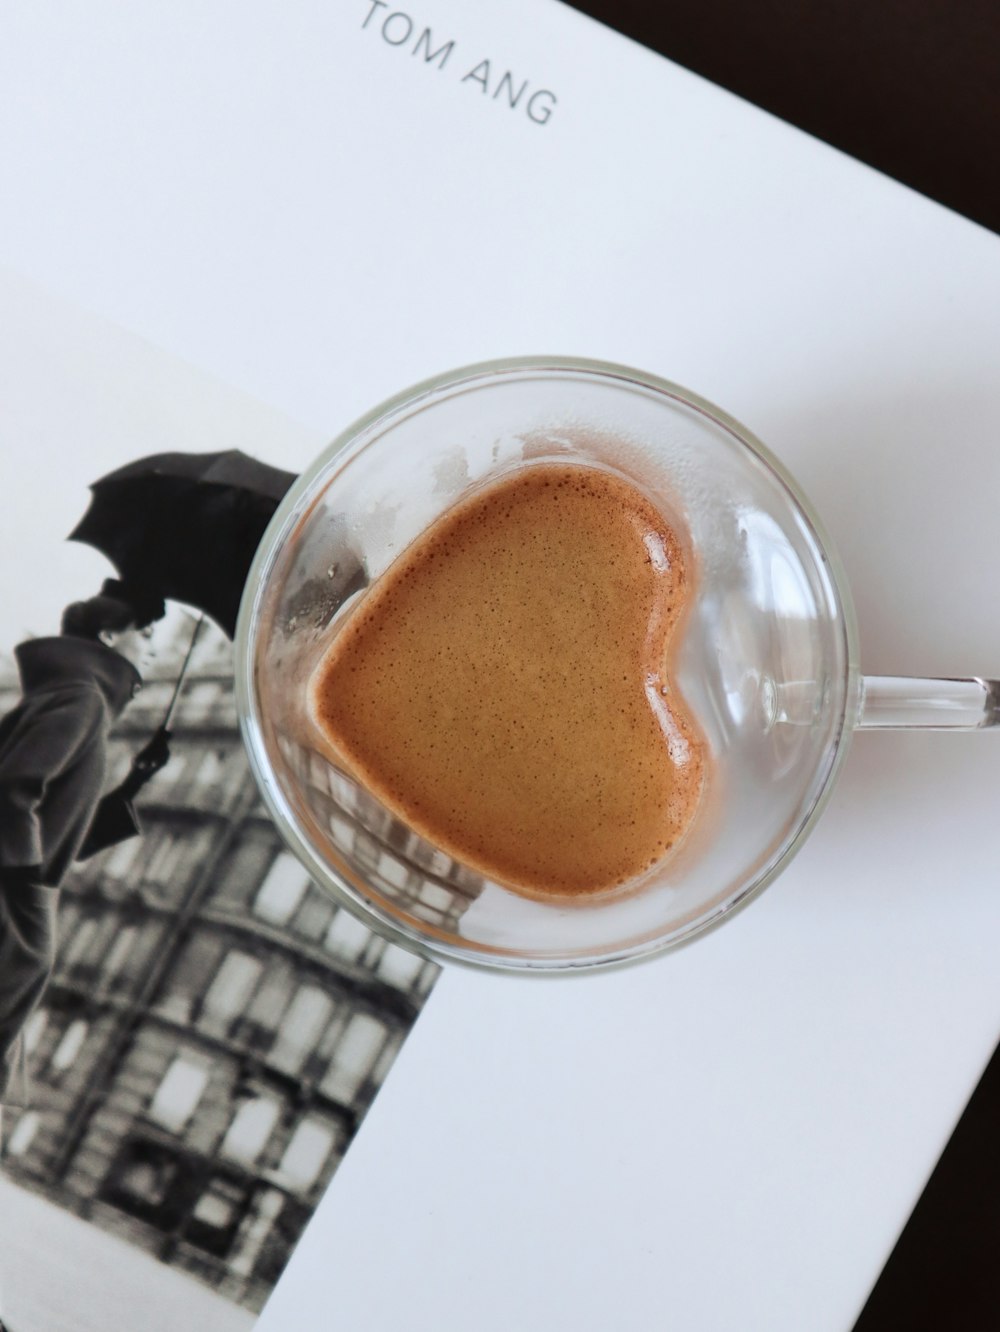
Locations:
(912, 87)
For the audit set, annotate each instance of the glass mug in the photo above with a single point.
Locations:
(767, 661)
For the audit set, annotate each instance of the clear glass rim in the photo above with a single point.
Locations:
(299, 498)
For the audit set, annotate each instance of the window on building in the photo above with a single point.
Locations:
(78, 944)
(120, 860)
(354, 1057)
(145, 949)
(216, 1216)
(24, 1134)
(314, 915)
(245, 866)
(367, 850)
(34, 1028)
(154, 1181)
(68, 1049)
(256, 1231)
(268, 1005)
(399, 967)
(179, 1093)
(231, 989)
(390, 1050)
(69, 912)
(250, 1129)
(301, 1028)
(189, 978)
(143, 1180)
(163, 866)
(211, 771)
(108, 923)
(347, 937)
(214, 1209)
(191, 772)
(282, 890)
(308, 1151)
(121, 949)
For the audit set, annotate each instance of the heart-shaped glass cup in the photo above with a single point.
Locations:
(767, 662)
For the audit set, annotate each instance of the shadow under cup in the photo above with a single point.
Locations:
(766, 659)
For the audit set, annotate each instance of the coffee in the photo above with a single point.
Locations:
(504, 687)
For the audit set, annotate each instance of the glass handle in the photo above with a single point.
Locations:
(906, 703)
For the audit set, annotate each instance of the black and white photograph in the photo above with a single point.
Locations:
(191, 1032)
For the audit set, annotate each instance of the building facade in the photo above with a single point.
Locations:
(217, 1026)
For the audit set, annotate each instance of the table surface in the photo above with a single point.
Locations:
(908, 86)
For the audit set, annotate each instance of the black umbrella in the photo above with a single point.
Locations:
(185, 526)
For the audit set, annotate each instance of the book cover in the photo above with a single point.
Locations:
(319, 203)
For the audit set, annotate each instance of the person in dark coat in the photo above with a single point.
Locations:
(53, 761)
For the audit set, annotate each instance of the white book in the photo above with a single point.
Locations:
(319, 202)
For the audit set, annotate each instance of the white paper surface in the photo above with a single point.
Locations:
(733, 1136)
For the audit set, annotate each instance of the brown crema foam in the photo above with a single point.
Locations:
(503, 687)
